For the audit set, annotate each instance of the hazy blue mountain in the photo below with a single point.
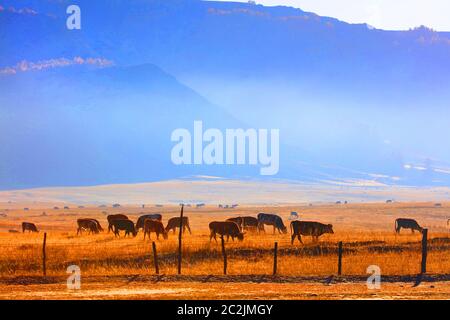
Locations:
(350, 101)
(84, 126)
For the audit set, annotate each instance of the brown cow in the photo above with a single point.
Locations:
(174, 223)
(141, 219)
(31, 227)
(90, 225)
(113, 217)
(247, 223)
(124, 224)
(156, 226)
(238, 220)
(225, 228)
(309, 228)
(251, 224)
(99, 227)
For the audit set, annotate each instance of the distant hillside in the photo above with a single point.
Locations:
(351, 102)
(82, 126)
(214, 191)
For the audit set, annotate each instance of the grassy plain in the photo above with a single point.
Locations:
(123, 267)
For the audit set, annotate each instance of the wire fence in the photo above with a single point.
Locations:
(45, 253)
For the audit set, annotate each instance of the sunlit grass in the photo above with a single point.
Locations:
(366, 231)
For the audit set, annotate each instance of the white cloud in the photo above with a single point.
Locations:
(24, 65)
(28, 11)
(446, 171)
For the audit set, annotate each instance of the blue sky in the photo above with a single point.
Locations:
(382, 14)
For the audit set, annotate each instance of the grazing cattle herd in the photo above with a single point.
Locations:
(235, 227)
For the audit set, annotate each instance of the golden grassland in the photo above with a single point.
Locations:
(367, 231)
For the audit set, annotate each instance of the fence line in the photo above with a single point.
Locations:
(275, 258)
(155, 258)
(44, 256)
(340, 252)
(423, 265)
(224, 255)
(180, 235)
(340, 258)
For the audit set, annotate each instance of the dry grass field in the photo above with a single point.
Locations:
(123, 267)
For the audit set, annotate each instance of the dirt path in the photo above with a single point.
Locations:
(219, 287)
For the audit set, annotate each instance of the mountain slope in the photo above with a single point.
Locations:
(350, 101)
(83, 126)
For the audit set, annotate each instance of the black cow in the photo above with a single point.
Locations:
(407, 224)
(271, 220)
(124, 224)
(31, 227)
(113, 217)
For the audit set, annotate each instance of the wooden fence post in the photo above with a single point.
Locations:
(44, 256)
(340, 258)
(224, 254)
(424, 251)
(180, 234)
(275, 256)
(155, 257)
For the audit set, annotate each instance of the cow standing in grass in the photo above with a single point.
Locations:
(31, 227)
(238, 220)
(309, 228)
(225, 228)
(99, 226)
(407, 224)
(174, 223)
(251, 224)
(90, 225)
(125, 225)
(113, 217)
(247, 223)
(271, 220)
(141, 220)
(156, 226)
